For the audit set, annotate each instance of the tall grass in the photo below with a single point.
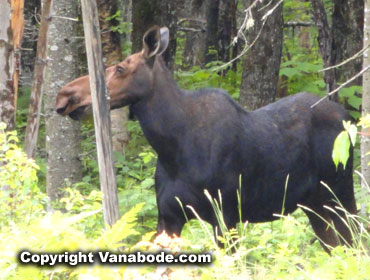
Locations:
(283, 249)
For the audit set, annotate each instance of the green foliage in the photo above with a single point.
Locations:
(134, 174)
(121, 26)
(342, 143)
(18, 181)
(124, 28)
(24, 223)
(280, 250)
(197, 78)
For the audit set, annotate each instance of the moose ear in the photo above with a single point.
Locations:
(155, 41)
(151, 41)
(165, 38)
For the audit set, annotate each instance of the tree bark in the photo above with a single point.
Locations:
(325, 40)
(146, 13)
(194, 18)
(227, 12)
(112, 53)
(101, 111)
(211, 48)
(62, 133)
(11, 32)
(365, 139)
(34, 109)
(262, 63)
(347, 30)
(29, 45)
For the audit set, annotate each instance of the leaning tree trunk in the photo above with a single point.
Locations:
(112, 52)
(365, 138)
(262, 62)
(62, 133)
(11, 32)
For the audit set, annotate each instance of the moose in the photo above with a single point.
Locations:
(278, 154)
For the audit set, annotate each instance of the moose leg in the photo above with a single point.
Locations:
(321, 224)
(170, 223)
(342, 224)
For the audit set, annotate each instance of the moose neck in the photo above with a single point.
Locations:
(161, 115)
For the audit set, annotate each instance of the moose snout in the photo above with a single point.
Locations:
(61, 104)
(61, 110)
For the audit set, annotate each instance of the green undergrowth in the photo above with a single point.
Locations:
(284, 249)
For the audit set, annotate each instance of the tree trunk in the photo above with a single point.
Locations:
(34, 109)
(29, 44)
(347, 30)
(195, 19)
(11, 32)
(112, 53)
(211, 48)
(100, 108)
(262, 63)
(62, 133)
(146, 13)
(325, 44)
(365, 139)
(227, 12)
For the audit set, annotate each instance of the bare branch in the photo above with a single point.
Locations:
(298, 23)
(187, 29)
(67, 18)
(181, 20)
(248, 23)
(342, 85)
(347, 60)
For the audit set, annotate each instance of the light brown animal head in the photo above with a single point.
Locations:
(127, 82)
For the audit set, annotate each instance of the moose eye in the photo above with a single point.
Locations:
(120, 69)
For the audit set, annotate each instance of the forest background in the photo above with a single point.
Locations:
(259, 51)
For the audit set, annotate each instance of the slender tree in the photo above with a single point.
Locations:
(262, 63)
(11, 32)
(325, 39)
(34, 109)
(226, 28)
(365, 138)
(212, 16)
(62, 133)
(112, 52)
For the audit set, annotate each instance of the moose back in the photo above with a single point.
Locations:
(204, 140)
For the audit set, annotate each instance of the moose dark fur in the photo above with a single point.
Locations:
(205, 140)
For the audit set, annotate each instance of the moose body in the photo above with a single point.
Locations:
(204, 140)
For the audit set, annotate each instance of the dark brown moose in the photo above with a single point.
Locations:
(205, 140)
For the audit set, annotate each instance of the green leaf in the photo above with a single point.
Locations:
(341, 149)
(352, 131)
(147, 183)
(355, 101)
(289, 72)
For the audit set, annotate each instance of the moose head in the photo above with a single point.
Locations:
(127, 82)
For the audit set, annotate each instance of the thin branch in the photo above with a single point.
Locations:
(269, 12)
(298, 23)
(67, 18)
(342, 85)
(187, 29)
(243, 27)
(181, 20)
(347, 60)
